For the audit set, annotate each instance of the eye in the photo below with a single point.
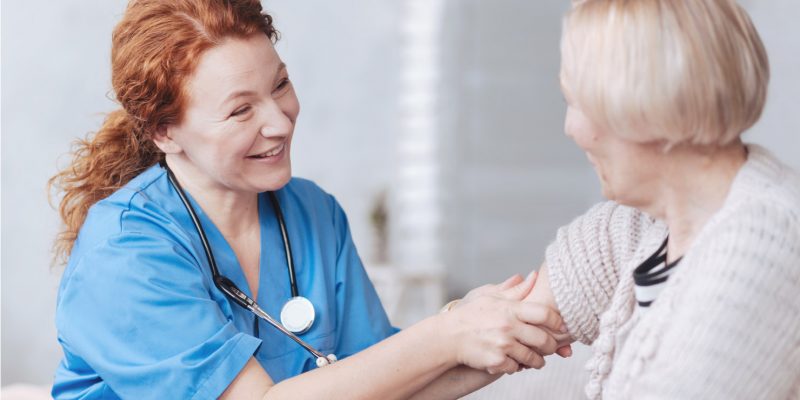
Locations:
(282, 84)
(241, 111)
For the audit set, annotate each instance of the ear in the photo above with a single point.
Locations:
(163, 139)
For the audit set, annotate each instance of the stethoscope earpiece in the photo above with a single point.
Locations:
(327, 360)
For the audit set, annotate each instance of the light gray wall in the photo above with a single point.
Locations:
(513, 176)
(55, 76)
(779, 127)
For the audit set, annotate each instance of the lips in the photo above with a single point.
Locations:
(270, 153)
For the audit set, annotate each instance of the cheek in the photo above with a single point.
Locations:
(578, 127)
(219, 151)
(292, 107)
(624, 169)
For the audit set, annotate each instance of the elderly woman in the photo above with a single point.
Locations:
(685, 283)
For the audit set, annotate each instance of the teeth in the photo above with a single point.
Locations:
(275, 151)
(271, 152)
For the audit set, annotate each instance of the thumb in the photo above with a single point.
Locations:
(520, 290)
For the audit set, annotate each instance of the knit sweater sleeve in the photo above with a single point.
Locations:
(733, 330)
(584, 263)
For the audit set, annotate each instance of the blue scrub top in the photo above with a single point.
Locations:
(138, 315)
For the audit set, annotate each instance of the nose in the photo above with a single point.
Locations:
(276, 121)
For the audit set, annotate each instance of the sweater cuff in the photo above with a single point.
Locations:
(580, 321)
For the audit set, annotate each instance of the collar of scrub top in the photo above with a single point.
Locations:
(292, 307)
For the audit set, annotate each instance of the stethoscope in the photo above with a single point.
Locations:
(297, 315)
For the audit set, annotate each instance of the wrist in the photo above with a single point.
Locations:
(442, 328)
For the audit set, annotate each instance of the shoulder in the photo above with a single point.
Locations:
(308, 192)
(127, 267)
(305, 186)
(614, 217)
(766, 182)
(761, 214)
(611, 226)
(306, 204)
(764, 198)
(757, 230)
(109, 211)
(139, 215)
(306, 196)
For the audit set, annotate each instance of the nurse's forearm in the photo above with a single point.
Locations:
(455, 383)
(462, 380)
(495, 332)
(395, 368)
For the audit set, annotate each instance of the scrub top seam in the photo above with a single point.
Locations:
(335, 208)
(136, 192)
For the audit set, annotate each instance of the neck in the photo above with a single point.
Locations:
(234, 213)
(693, 186)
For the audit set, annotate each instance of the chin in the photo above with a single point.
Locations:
(608, 193)
(275, 181)
(605, 189)
(623, 196)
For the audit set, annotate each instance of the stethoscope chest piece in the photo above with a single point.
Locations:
(297, 315)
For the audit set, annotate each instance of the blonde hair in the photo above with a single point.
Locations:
(676, 71)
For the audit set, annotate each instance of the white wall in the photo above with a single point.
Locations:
(513, 176)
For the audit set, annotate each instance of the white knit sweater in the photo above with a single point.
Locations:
(727, 325)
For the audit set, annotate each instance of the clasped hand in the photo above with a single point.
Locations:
(497, 332)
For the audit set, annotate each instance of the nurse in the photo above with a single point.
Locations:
(208, 111)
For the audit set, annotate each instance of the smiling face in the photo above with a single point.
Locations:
(237, 127)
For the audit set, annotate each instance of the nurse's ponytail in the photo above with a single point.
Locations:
(155, 49)
(101, 164)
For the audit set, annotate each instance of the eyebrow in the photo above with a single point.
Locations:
(245, 93)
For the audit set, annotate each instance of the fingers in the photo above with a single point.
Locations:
(537, 314)
(536, 338)
(562, 337)
(490, 289)
(524, 356)
(508, 366)
(565, 351)
(521, 289)
(512, 281)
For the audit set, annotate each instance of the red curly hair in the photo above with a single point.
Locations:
(155, 49)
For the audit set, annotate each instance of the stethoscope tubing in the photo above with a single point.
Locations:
(229, 288)
(200, 231)
(273, 198)
(259, 312)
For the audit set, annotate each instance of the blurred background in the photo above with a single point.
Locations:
(436, 123)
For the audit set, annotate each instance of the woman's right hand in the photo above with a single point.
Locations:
(491, 329)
